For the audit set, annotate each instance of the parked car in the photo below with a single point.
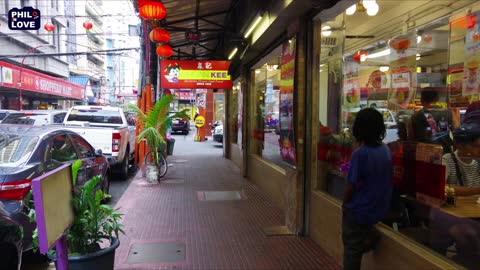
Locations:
(10, 242)
(218, 133)
(35, 117)
(271, 120)
(388, 118)
(27, 152)
(110, 129)
(180, 125)
(5, 113)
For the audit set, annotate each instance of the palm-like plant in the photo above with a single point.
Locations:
(156, 122)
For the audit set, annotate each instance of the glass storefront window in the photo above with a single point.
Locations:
(423, 77)
(273, 132)
(236, 113)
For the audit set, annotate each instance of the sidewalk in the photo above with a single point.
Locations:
(175, 225)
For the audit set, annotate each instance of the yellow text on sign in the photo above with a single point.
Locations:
(207, 75)
(199, 121)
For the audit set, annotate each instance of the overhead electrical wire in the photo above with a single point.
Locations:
(105, 52)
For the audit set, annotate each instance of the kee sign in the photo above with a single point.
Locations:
(26, 18)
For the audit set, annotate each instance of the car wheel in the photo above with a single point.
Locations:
(124, 168)
(106, 186)
(9, 252)
(132, 167)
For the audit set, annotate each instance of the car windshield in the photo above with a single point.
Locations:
(16, 149)
(26, 119)
(95, 116)
(2, 115)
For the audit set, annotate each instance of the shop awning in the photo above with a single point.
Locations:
(81, 80)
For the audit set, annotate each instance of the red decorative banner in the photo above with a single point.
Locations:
(287, 78)
(193, 74)
(29, 80)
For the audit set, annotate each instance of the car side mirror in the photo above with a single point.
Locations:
(98, 152)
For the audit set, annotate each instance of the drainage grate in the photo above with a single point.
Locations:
(276, 231)
(219, 195)
(179, 161)
(156, 252)
(172, 181)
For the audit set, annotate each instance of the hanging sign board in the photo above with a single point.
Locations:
(193, 74)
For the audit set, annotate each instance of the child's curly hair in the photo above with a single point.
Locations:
(368, 127)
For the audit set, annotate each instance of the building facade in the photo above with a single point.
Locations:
(89, 69)
(292, 106)
(36, 82)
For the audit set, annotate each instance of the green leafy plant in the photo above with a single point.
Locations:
(156, 122)
(93, 221)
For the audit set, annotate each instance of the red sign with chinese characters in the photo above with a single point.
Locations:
(29, 80)
(185, 95)
(193, 74)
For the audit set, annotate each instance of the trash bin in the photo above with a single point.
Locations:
(170, 145)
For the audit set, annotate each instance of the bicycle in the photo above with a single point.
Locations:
(162, 162)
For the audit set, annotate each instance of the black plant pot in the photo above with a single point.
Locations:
(101, 260)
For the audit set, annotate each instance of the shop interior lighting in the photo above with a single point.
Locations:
(253, 25)
(419, 39)
(232, 53)
(257, 71)
(384, 68)
(418, 56)
(379, 54)
(369, 6)
(326, 30)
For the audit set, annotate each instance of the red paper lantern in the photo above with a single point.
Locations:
(193, 36)
(399, 44)
(476, 37)
(359, 55)
(427, 38)
(49, 27)
(152, 10)
(164, 50)
(87, 25)
(159, 35)
(471, 21)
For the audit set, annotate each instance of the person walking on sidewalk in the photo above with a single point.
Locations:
(368, 189)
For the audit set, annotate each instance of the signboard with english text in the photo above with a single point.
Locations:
(194, 74)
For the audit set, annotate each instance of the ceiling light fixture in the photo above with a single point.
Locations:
(326, 30)
(253, 25)
(369, 6)
(232, 53)
(384, 68)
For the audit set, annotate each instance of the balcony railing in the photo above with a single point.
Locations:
(94, 8)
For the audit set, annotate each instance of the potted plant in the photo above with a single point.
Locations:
(94, 222)
(155, 124)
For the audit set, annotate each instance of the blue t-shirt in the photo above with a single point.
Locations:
(370, 173)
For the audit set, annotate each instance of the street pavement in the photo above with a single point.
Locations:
(186, 222)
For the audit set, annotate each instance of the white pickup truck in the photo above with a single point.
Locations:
(108, 128)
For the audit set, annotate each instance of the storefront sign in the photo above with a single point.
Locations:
(351, 85)
(185, 95)
(195, 74)
(403, 93)
(29, 80)
(287, 77)
(472, 59)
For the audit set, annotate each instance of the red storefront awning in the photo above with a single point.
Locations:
(17, 77)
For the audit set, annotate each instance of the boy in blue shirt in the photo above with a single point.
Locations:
(368, 189)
